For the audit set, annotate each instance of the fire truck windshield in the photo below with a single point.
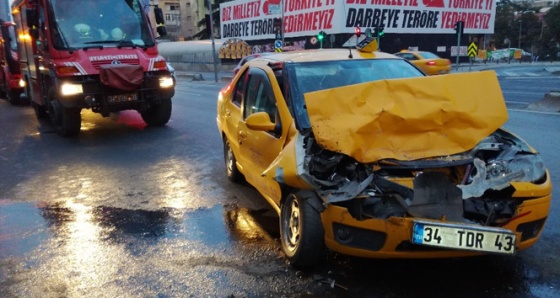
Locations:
(79, 24)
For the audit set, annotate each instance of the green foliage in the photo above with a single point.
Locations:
(552, 20)
(520, 24)
(203, 33)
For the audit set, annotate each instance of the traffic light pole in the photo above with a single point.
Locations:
(458, 50)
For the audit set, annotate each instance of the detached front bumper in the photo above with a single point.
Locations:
(391, 238)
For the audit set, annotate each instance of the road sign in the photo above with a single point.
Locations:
(462, 51)
(278, 44)
(473, 50)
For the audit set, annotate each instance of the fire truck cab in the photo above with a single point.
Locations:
(11, 85)
(92, 54)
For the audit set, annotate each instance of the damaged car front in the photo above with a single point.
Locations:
(361, 153)
(409, 168)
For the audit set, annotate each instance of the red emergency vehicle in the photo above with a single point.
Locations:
(11, 85)
(92, 54)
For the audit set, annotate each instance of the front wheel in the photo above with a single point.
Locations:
(301, 229)
(232, 171)
(67, 121)
(158, 115)
(13, 96)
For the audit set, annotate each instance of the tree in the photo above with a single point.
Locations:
(205, 32)
(502, 26)
(552, 20)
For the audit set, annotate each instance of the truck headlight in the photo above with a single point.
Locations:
(67, 89)
(166, 82)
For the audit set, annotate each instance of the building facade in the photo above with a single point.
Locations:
(5, 10)
(182, 17)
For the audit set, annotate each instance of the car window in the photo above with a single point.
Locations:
(407, 56)
(428, 55)
(259, 95)
(238, 96)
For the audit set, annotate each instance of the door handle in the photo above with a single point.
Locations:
(242, 135)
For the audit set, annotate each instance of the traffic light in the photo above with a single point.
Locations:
(375, 32)
(358, 31)
(380, 32)
(368, 32)
(459, 27)
(321, 35)
(277, 24)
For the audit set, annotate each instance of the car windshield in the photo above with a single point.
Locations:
(307, 77)
(99, 23)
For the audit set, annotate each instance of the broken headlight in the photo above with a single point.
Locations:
(523, 168)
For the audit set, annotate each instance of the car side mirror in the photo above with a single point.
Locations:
(158, 13)
(260, 121)
(161, 30)
(32, 17)
(34, 33)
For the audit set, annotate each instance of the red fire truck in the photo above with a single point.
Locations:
(92, 54)
(11, 84)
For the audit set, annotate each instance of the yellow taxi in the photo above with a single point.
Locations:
(429, 63)
(362, 154)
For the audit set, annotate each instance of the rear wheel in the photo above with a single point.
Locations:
(301, 229)
(232, 171)
(158, 115)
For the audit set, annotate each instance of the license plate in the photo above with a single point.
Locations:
(463, 237)
(122, 98)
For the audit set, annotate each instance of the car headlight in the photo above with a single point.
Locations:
(67, 89)
(166, 82)
(523, 168)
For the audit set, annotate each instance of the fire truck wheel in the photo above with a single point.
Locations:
(67, 121)
(2, 92)
(13, 96)
(40, 111)
(158, 115)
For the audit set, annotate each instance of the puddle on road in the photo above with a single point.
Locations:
(26, 226)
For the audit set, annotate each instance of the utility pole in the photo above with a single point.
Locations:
(282, 27)
(519, 41)
(213, 42)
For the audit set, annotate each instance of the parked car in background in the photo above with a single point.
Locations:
(364, 154)
(428, 62)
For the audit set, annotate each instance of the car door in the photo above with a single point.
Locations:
(258, 149)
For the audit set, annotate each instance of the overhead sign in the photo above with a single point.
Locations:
(253, 19)
(473, 50)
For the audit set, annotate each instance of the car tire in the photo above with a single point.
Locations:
(158, 115)
(301, 229)
(13, 96)
(67, 121)
(233, 173)
(40, 111)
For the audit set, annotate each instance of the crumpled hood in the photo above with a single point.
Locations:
(408, 119)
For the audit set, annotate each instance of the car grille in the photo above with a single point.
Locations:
(97, 64)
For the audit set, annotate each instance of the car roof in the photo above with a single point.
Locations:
(325, 55)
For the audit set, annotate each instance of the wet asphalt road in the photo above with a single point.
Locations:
(129, 211)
